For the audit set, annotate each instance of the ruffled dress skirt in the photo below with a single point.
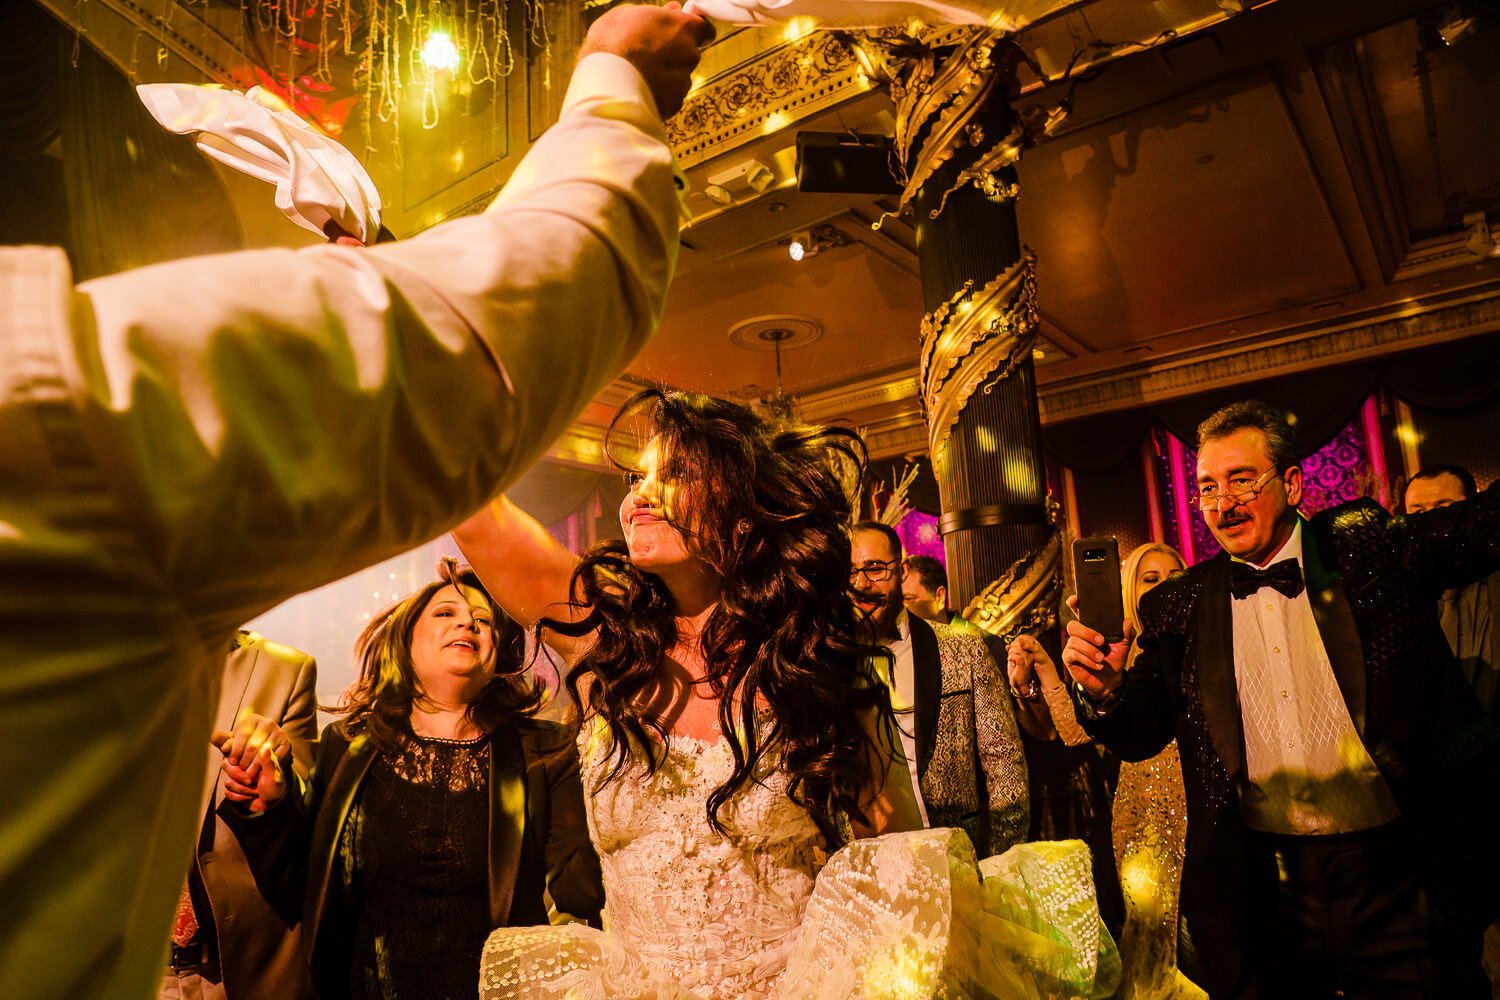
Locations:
(904, 916)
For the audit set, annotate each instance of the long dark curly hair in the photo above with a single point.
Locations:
(766, 508)
(379, 704)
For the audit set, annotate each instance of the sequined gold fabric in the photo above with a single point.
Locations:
(1150, 834)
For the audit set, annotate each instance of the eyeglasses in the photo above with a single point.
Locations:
(1241, 490)
(875, 571)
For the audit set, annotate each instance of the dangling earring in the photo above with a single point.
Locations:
(742, 527)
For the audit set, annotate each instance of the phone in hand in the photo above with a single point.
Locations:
(1096, 581)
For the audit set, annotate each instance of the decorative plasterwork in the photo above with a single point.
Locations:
(906, 435)
(1310, 349)
(785, 86)
(151, 41)
(1440, 255)
(974, 340)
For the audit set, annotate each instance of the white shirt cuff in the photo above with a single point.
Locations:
(606, 75)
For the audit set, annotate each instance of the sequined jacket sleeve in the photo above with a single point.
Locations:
(1141, 723)
(1451, 546)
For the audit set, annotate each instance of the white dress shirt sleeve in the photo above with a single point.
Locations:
(185, 445)
(276, 419)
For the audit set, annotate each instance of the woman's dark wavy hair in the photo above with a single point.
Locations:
(379, 704)
(767, 507)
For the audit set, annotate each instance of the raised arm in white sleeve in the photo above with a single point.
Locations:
(183, 446)
(296, 415)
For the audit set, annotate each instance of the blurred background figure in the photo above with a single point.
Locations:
(1150, 827)
(925, 590)
(957, 722)
(227, 942)
(1149, 818)
(1466, 613)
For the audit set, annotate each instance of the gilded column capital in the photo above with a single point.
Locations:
(942, 81)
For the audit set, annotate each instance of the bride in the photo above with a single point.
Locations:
(732, 738)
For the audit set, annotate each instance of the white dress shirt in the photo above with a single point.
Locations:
(1307, 770)
(186, 445)
(903, 688)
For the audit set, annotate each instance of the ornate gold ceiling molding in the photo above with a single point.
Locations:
(1300, 351)
(783, 86)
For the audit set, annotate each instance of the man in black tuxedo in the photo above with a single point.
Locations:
(1343, 785)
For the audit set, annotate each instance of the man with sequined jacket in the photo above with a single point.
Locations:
(1343, 784)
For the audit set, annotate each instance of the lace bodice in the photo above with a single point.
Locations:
(715, 914)
(758, 913)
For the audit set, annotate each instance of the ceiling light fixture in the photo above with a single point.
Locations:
(801, 247)
(439, 53)
(778, 403)
(776, 334)
(1455, 26)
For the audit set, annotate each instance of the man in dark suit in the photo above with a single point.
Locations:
(924, 587)
(1467, 613)
(1341, 779)
(958, 725)
(226, 940)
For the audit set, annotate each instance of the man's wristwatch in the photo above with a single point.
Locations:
(1100, 706)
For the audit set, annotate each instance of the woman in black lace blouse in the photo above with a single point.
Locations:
(437, 809)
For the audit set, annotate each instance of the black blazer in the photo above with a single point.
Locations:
(927, 684)
(538, 841)
(1371, 580)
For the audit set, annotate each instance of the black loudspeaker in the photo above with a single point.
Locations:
(845, 163)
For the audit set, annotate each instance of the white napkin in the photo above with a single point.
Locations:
(316, 178)
(873, 13)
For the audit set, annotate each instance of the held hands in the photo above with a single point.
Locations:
(1021, 658)
(1097, 666)
(661, 42)
(255, 753)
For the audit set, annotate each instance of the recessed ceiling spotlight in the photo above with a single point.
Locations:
(801, 246)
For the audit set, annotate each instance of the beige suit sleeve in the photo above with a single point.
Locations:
(299, 720)
(273, 420)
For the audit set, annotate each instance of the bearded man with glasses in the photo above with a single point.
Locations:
(953, 706)
(1343, 784)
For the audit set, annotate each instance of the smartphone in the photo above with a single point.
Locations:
(1096, 581)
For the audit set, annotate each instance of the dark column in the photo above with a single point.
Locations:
(978, 382)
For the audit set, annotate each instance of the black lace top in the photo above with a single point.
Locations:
(415, 868)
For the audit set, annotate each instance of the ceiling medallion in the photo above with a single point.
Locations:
(776, 334)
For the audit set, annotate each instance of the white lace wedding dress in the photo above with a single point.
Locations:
(764, 914)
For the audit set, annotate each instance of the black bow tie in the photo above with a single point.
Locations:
(1285, 576)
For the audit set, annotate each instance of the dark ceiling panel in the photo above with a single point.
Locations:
(1197, 210)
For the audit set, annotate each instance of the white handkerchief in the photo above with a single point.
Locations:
(875, 13)
(316, 178)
